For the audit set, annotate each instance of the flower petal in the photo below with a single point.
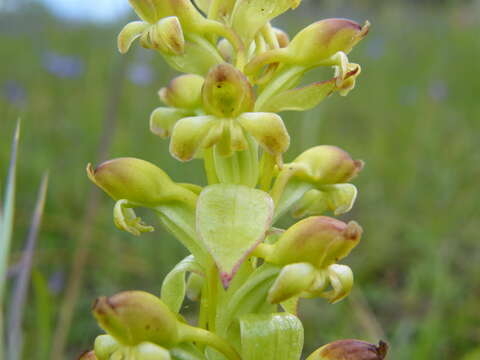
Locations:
(188, 136)
(129, 34)
(268, 129)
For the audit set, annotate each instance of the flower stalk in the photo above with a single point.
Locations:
(238, 73)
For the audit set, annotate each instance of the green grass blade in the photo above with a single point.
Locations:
(20, 291)
(43, 305)
(6, 228)
(8, 212)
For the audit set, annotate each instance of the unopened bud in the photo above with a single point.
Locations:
(314, 45)
(183, 92)
(166, 36)
(351, 350)
(138, 181)
(320, 241)
(133, 317)
(326, 164)
(105, 347)
(227, 92)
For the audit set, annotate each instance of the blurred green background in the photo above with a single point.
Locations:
(413, 118)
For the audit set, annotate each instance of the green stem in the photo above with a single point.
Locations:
(209, 164)
(190, 333)
(263, 250)
(212, 280)
(267, 171)
(281, 182)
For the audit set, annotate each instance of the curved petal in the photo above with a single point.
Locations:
(292, 281)
(189, 134)
(341, 279)
(163, 119)
(129, 34)
(268, 129)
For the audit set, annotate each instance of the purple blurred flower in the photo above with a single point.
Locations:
(14, 92)
(141, 74)
(438, 90)
(56, 282)
(63, 66)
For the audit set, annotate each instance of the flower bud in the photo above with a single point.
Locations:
(227, 92)
(351, 350)
(166, 36)
(184, 92)
(320, 241)
(133, 317)
(136, 180)
(326, 164)
(314, 45)
(88, 355)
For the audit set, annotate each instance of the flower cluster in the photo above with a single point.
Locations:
(239, 72)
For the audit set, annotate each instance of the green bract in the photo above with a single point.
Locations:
(237, 73)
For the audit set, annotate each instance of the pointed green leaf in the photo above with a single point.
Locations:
(271, 337)
(173, 287)
(231, 221)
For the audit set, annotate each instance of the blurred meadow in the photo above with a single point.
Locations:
(414, 119)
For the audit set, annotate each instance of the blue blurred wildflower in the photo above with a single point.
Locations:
(63, 66)
(14, 92)
(140, 74)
